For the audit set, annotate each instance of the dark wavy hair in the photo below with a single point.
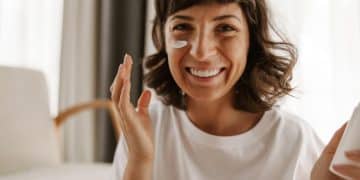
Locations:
(270, 62)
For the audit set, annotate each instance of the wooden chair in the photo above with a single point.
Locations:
(106, 104)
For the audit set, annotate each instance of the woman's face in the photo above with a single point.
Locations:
(207, 48)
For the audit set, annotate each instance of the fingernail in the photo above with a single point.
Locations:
(352, 153)
(128, 58)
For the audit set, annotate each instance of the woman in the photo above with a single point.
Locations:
(218, 74)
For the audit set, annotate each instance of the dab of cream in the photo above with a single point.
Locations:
(179, 44)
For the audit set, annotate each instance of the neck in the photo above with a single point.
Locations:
(220, 117)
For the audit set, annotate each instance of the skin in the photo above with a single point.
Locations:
(217, 37)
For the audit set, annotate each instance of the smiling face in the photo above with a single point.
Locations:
(207, 47)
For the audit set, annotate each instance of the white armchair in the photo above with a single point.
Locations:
(29, 136)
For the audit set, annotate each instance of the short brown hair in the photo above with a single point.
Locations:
(269, 66)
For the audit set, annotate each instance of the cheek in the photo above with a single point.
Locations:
(236, 51)
(235, 47)
(175, 56)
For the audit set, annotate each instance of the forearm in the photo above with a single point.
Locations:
(138, 170)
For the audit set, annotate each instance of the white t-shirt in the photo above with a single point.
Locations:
(281, 147)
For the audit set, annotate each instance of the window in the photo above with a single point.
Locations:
(30, 36)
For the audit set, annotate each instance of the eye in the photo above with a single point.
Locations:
(182, 27)
(225, 28)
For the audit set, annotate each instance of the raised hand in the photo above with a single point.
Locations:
(135, 123)
(321, 170)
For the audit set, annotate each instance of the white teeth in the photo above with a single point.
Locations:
(204, 73)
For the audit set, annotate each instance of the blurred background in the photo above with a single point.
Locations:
(78, 44)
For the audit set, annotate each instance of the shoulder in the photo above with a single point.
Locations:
(291, 122)
(298, 137)
(295, 128)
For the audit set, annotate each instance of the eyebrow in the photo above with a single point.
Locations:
(182, 17)
(218, 18)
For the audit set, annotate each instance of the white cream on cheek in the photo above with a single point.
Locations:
(179, 44)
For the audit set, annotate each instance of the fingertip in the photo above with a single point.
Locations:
(335, 139)
(344, 126)
(148, 96)
(128, 59)
(148, 93)
(144, 99)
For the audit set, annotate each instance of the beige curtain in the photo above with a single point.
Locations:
(327, 34)
(77, 77)
(30, 35)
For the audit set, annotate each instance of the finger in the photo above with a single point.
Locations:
(348, 170)
(117, 84)
(124, 109)
(128, 111)
(335, 140)
(353, 155)
(113, 84)
(125, 94)
(124, 101)
(128, 63)
(114, 81)
(122, 72)
(143, 102)
(118, 117)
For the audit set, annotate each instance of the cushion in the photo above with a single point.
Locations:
(27, 134)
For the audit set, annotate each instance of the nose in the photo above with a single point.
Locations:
(203, 46)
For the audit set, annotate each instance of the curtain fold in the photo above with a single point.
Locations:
(77, 78)
(121, 30)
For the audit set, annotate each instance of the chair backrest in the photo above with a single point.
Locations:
(27, 133)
